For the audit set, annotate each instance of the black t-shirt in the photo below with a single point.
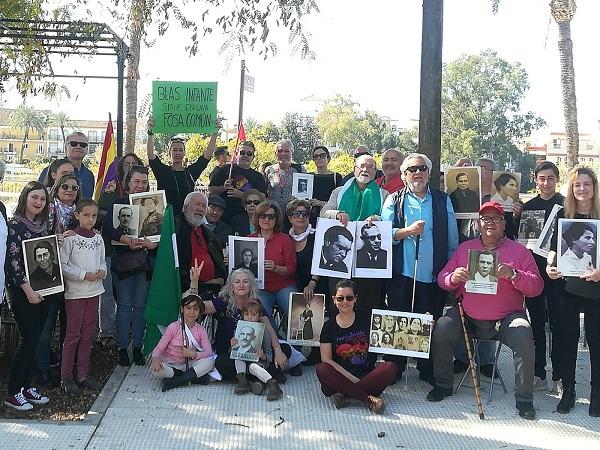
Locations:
(243, 179)
(324, 184)
(177, 184)
(539, 204)
(350, 346)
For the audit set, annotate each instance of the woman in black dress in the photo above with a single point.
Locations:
(306, 316)
(325, 181)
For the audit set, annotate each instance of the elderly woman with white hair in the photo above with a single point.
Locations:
(197, 244)
(279, 176)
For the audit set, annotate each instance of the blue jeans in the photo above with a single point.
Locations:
(107, 305)
(55, 302)
(281, 297)
(132, 293)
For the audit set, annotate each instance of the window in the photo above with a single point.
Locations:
(102, 136)
(11, 147)
(558, 160)
(92, 136)
(40, 149)
(556, 143)
(91, 149)
(54, 148)
(53, 136)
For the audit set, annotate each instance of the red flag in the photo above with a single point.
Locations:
(107, 169)
(241, 132)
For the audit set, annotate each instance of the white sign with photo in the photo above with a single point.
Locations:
(305, 319)
(302, 185)
(400, 333)
(42, 265)
(248, 253)
(333, 253)
(126, 218)
(577, 246)
(373, 255)
(249, 337)
(530, 227)
(505, 188)
(463, 186)
(151, 210)
(483, 276)
(542, 245)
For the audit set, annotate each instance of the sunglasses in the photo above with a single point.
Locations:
(414, 169)
(246, 153)
(300, 214)
(267, 216)
(253, 202)
(375, 237)
(80, 144)
(320, 156)
(66, 187)
(346, 298)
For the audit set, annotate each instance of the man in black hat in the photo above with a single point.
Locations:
(216, 209)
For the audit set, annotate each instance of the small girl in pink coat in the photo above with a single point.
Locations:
(183, 354)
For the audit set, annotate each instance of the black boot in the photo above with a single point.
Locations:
(274, 391)
(595, 402)
(178, 380)
(242, 384)
(138, 357)
(567, 401)
(124, 358)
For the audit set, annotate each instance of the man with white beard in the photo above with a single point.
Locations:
(197, 244)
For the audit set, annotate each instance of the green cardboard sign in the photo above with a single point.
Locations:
(184, 107)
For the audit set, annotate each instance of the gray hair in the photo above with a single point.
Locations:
(285, 141)
(425, 158)
(395, 149)
(75, 133)
(2, 169)
(188, 198)
(226, 293)
(488, 160)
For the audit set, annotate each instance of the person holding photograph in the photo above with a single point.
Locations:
(464, 199)
(252, 312)
(279, 176)
(578, 294)
(153, 220)
(581, 247)
(347, 370)
(29, 221)
(84, 267)
(179, 359)
(507, 188)
(243, 223)
(518, 277)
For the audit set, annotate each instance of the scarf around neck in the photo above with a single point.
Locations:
(37, 226)
(360, 204)
(301, 236)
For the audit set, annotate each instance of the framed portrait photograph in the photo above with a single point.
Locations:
(248, 253)
(249, 337)
(542, 245)
(305, 319)
(151, 210)
(463, 186)
(483, 276)
(127, 219)
(302, 185)
(505, 188)
(42, 265)
(373, 250)
(577, 248)
(333, 253)
(400, 333)
(530, 227)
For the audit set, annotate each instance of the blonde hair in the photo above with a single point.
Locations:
(571, 202)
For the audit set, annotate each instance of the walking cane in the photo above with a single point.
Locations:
(470, 356)
(412, 304)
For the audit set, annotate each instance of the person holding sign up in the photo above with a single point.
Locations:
(177, 180)
(279, 175)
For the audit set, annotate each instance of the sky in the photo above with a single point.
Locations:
(368, 50)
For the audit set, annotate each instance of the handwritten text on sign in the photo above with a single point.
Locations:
(184, 107)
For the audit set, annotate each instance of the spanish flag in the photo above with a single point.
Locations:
(107, 171)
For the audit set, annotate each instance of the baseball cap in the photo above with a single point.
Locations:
(489, 205)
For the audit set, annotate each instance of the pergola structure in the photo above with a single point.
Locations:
(71, 38)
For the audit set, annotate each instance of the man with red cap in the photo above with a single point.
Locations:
(501, 316)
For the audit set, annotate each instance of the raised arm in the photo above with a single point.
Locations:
(150, 141)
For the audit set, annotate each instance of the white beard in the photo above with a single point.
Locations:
(194, 220)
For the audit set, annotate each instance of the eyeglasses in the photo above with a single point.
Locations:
(495, 220)
(253, 202)
(300, 214)
(246, 153)
(346, 298)
(80, 144)
(421, 168)
(266, 216)
(320, 156)
(375, 237)
(66, 187)
(365, 167)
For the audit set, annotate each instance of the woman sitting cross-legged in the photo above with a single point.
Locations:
(348, 371)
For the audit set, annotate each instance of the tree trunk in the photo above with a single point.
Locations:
(567, 81)
(25, 136)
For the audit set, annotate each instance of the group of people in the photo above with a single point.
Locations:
(430, 255)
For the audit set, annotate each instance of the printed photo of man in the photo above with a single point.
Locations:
(337, 242)
(371, 255)
(125, 217)
(485, 268)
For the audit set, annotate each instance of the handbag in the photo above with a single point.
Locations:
(132, 261)
(582, 288)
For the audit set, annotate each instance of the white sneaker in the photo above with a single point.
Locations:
(33, 396)
(18, 401)
(557, 388)
(539, 384)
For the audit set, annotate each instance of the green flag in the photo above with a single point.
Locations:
(164, 296)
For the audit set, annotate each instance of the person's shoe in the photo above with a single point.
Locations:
(256, 387)
(313, 358)
(296, 371)
(274, 391)
(567, 401)
(459, 366)
(280, 377)
(54, 360)
(70, 387)
(595, 402)
(539, 384)
(178, 380)
(526, 410)
(487, 369)
(437, 394)
(339, 400)
(427, 375)
(18, 401)
(33, 396)
(90, 384)
(124, 358)
(203, 380)
(138, 357)
(376, 405)
(242, 384)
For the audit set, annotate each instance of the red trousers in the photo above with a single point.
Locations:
(82, 315)
(373, 383)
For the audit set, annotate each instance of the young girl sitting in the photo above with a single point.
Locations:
(184, 356)
(251, 312)
(84, 268)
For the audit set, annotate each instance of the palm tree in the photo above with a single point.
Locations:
(27, 118)
(62, 120)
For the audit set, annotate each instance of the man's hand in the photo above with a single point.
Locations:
(517, 207)
(269, 264)
(460, 275)
(343, 217)
(592, 275)
(196, 270)
(505, 271)
(417, 227)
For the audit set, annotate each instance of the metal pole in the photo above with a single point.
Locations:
(121, 56)
(241, 110)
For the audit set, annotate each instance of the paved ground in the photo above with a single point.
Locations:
(212, 417)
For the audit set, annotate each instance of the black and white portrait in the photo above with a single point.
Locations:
(577, 246)
(505, 188)
(373, 250)
(333, 253)
(152, 207)
(126, 218)
(463, 185)
(400, 333)
(542, 244)
(483, 277)
(248, 253)
(249, 336)
(42, 265)
(302, 185)
(530, 227)
(305, 319)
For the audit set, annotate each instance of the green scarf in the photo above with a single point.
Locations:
(360, 205)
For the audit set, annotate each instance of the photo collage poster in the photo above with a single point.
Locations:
(400, 333)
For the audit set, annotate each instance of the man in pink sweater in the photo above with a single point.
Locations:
(501, 316)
